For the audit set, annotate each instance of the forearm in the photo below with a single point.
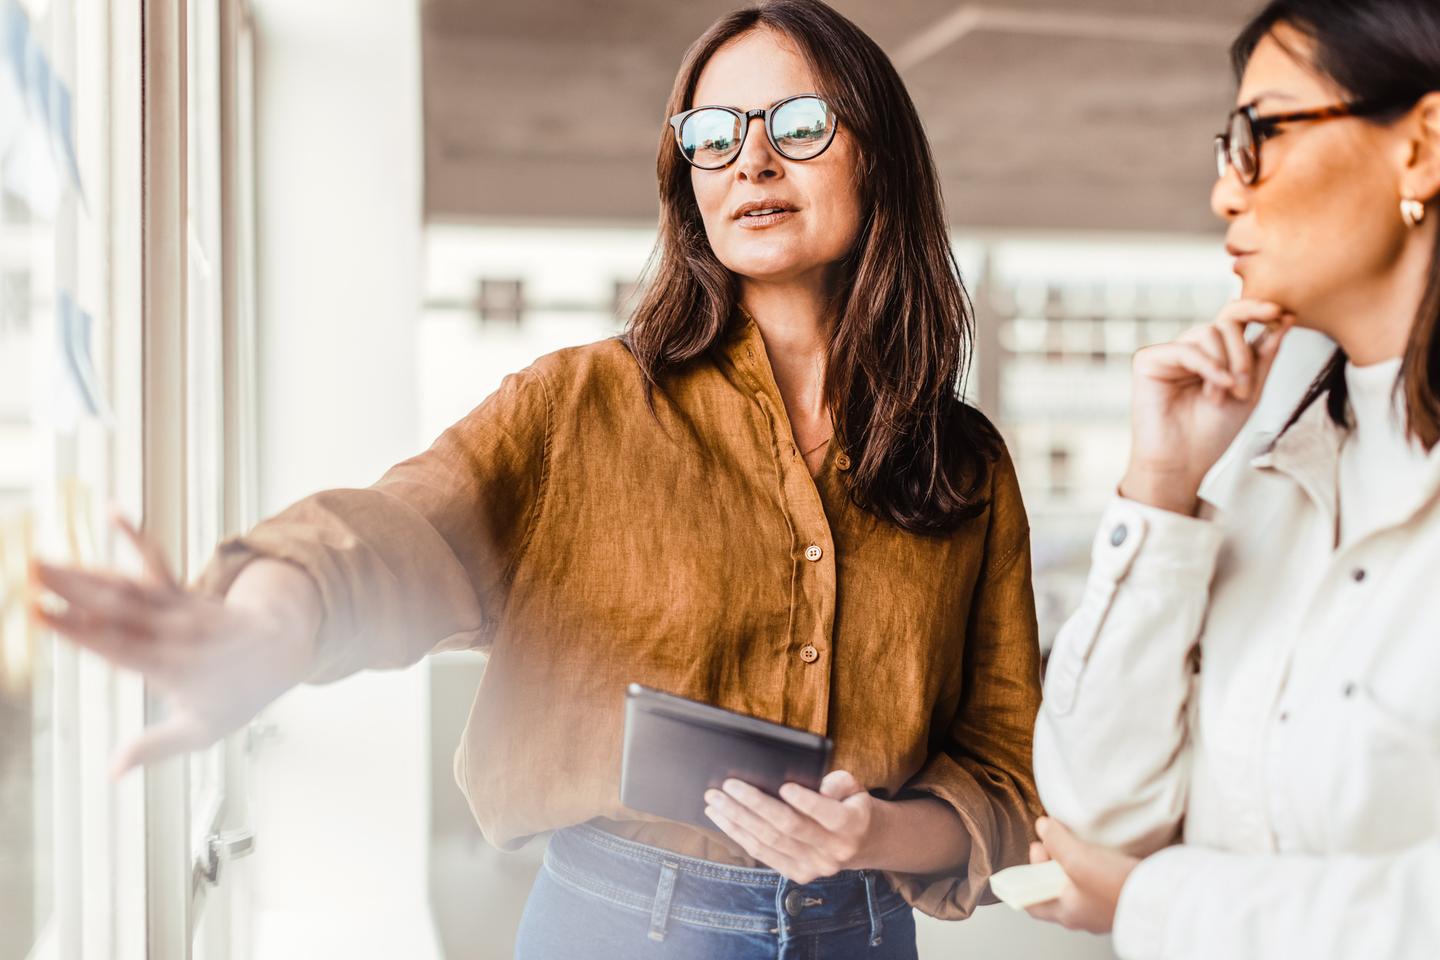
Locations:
(922, 835)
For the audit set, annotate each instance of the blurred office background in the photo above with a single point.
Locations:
(254, 248)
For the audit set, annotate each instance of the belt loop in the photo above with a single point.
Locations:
(660, 914)
(877, 927)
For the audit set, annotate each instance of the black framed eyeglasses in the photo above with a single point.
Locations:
(799, 128)
(1246, 130)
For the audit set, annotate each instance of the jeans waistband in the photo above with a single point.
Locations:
(670, 888)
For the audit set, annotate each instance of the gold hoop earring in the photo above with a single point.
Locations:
(1412, 212)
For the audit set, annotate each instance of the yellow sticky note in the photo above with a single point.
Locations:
(17, 636)
(77, 507)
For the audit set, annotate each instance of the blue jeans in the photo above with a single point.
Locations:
(602, 897)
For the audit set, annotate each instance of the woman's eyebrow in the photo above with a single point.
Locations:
(1268, 95)
(764, 106)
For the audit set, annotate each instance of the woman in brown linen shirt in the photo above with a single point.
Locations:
(765, 496)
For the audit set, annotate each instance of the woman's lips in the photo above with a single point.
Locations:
(757, 221)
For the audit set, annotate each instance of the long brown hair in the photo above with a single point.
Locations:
(1381, 51)
(902, 333)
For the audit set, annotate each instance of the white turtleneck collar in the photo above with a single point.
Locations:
(1375, 404)
(1379, 464)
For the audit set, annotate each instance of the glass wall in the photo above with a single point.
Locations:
(54, 454)
(123, 339)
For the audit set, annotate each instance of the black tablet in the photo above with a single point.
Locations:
(675, 749)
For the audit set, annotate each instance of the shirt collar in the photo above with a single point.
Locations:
(1309, 454)
(743, 346)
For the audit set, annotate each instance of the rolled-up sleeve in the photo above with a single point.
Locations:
(1112, 742)
(420, 560)
(982, 767)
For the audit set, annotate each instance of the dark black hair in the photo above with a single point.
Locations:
(1380, 51)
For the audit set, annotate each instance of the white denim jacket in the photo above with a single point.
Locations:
(1295, 747)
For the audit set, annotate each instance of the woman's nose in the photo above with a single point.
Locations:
(757, 160)
(1228, 198)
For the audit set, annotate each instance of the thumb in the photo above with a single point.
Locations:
(172, 736)
(157, 568)
(839, 784)
(1062, 845)
(1269, 348)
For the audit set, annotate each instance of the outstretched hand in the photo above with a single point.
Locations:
(210, 661)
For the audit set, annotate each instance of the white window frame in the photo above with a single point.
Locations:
(176, 834)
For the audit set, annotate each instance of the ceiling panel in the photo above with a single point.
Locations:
(1082, 115)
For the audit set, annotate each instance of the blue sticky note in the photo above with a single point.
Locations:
(37, 66)
(17, 41)
(74, 329)
(63, 130)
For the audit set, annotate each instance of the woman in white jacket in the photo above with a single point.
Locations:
(1239, 746)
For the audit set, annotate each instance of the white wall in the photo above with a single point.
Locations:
(341, 793)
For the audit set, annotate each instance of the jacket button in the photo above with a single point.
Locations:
(843, 461)
(809, 654)
(1118, 535)
(813, 552)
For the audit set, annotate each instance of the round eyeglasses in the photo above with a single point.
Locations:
(1246, 130)
(799, 128)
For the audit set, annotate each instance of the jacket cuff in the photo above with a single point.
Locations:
(1138, 540)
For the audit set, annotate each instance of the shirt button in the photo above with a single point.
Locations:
(809, 654)
(843, 461)
(813, 552)
(1118, 535)
(1358, 575)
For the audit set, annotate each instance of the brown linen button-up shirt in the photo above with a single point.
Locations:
(583, 543)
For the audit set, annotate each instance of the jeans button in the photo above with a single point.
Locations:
(794, 903)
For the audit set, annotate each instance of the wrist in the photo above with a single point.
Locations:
(879, 845)
(920, 834)
(282, 598)
(1177, 491)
